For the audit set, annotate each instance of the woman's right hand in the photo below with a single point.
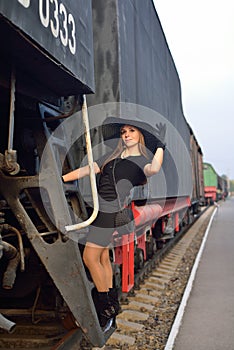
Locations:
(80, 172)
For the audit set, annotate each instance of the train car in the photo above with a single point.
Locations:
(226, 185)
(210, 183)
(198, 198)
(216, 186)
(222, 191)
(55, 53)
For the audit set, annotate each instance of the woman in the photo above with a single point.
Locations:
(127, 166)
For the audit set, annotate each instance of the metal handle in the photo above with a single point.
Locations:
(12, 110)
(92, 174)
(11, 165)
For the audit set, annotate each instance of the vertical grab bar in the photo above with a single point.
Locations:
(12, 109)
(92, 174)
(11, 165)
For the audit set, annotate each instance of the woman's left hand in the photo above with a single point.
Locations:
(154, 167)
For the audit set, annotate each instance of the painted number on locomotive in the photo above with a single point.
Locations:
(53, 14)
(25, 3)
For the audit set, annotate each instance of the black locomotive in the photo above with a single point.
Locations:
(56, 54)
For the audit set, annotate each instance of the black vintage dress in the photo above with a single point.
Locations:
(127, 173)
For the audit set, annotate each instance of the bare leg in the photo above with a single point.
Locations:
(105, 261)
(95, 258)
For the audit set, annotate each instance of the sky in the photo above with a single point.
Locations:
(200, 36)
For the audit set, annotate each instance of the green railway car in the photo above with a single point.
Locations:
(214, 185)
(210, 182)
(210, 175)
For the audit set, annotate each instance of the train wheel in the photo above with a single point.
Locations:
(139, 259)
(151, 247)
(186, 219)
(117, 276)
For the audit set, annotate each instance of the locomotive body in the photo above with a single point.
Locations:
(134, 69)
(54, 53)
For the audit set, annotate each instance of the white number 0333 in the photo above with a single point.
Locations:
(53, 15)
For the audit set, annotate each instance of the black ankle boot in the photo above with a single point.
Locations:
(106, 304)
(114, 297)
(105, 309)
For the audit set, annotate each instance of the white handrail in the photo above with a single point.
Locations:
(92, 174)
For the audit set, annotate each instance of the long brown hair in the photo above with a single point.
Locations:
(120, 148)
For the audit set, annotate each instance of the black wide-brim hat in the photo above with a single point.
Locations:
(111, 132)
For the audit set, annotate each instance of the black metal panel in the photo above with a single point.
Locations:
(146, 61)
(51, 40)
(106, 42)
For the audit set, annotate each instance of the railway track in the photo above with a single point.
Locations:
(147, 310)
